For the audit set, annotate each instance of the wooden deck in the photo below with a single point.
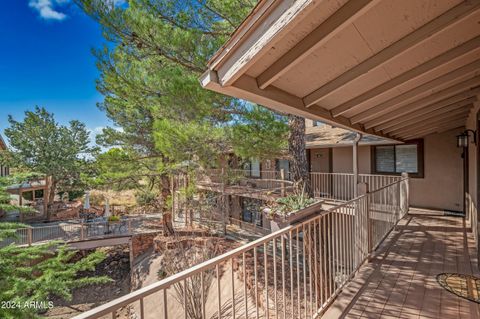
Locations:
(400, 281)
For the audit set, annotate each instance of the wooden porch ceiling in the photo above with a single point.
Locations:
(397, 69)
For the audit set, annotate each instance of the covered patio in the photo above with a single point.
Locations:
(404, 71)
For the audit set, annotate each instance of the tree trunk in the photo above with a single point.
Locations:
(298, 154)
(167, 217)
(52, 185)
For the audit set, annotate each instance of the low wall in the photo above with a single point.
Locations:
(142, 243)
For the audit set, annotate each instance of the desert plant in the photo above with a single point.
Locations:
(113, 218)
(285, 205)
(181, 258)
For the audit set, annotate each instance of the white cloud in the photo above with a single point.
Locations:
(46, 9)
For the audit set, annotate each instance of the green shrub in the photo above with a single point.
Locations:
(113, 218)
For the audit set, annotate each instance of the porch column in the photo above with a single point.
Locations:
(357, 139)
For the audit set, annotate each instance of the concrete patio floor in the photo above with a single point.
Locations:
(400, 281)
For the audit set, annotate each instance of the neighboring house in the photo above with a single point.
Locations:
(4, 170)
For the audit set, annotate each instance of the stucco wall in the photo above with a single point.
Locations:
(320, 160)
(343, 160)
(441, 187)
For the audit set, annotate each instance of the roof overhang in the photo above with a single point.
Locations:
(395, 69)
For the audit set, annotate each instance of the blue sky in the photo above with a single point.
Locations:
(46, 60)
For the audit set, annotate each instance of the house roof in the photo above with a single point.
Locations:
(3, 145)
(26, 186)
(326, 136)
(396, 69)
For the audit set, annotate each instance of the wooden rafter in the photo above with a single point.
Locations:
(421, 69)
(433, 109)
(431, 123)
(426, 117)
(420, 104)
(324, 32)
(444, 127)
(398, 102)
(434, 26)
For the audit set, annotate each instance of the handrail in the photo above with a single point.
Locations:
(346, 246)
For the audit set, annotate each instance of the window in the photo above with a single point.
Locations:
(317, 123)
(252, 210)
(253, 166)
(283, 164)
(396, 159)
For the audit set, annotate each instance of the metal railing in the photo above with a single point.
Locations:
(267, 179)
(295, 272)
(340, 186)
(74, 231)
(334, 186)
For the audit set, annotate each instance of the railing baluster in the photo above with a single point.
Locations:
(142, 310)
(256, 280)
(315, 239)
(233, 287)
(219, 300)
(202, 286)
(274, 248)
(298, 273)
(304, 270)
(290, 254)
(283, 279)
(310, 265)
(185, 307)
(165, 305)
(265, 260)
(245, 295)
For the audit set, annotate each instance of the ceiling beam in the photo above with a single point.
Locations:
(447, 126)
(398, 101)
(421, 103)
(411, 94)
(425, 119)
(431, 115)
(417, 71)
(342, 18)
(432, 109)
(436, 25)
(417, 127)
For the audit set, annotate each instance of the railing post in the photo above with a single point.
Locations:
(225, 203)
(362, 189)
(82, 232)
(29, 236)
(357, 139)
(282, 185)
(404, 194)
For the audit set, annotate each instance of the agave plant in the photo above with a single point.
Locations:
(291, 203)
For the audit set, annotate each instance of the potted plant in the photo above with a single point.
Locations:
(287, 210)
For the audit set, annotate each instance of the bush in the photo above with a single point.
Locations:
(113, 218)
(146, 198)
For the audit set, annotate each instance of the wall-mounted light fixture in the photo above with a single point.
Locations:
(463, 139)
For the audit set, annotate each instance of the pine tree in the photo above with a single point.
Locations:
(30, 275)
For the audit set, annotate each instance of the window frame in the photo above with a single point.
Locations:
(420, 159)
